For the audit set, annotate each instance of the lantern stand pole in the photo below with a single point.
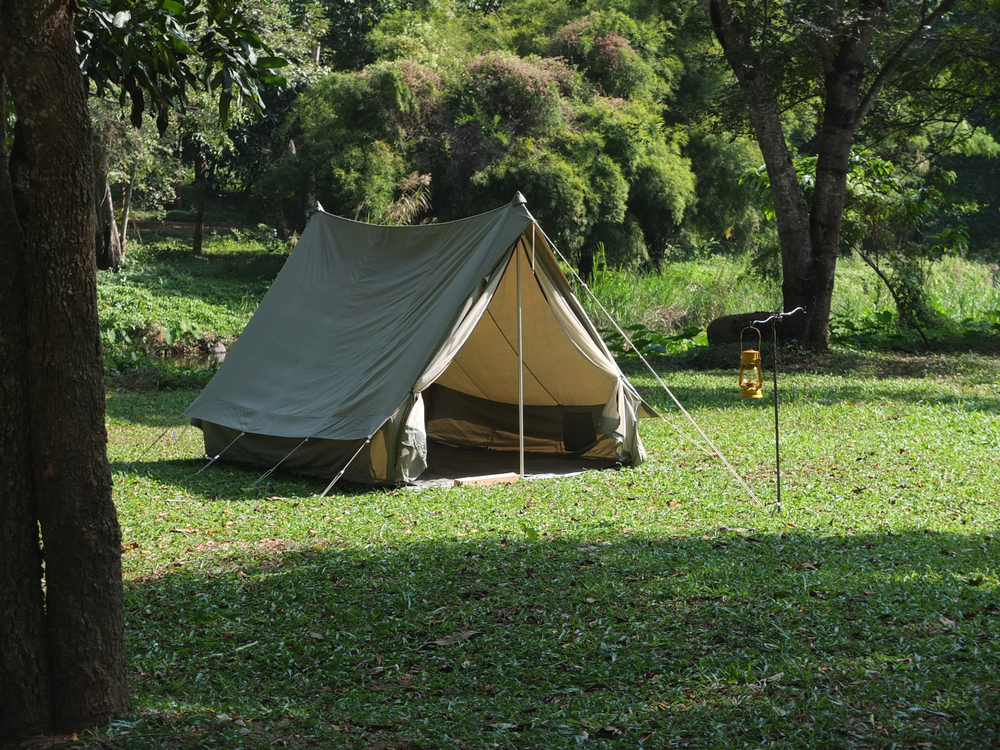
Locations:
(773, 319)
(777, 442)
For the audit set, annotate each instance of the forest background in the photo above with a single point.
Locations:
(620, 121)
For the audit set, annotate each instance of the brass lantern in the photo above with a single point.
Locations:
(751, 376)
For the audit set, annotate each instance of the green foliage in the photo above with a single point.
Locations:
(726, 208)
(353, 127)
(593, 169)
(136, 155)
(651, 343)
(435, 33)
(153, 55)
(977, 180)
(600, 44)
(161, 310)
(684, 295)
(262, 236)
(554, 183)
(895, 222)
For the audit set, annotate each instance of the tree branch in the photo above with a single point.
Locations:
(916, 38)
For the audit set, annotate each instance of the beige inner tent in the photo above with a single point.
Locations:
(391, 353)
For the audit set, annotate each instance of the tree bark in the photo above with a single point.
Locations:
(201, 191)
(843, 84)
(127, 205)
(106, 239)
(53, 161)
(790, 208)
(24, 685)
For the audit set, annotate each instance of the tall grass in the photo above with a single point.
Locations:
(692, 293)
(683, 295)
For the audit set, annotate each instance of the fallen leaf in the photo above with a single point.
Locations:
(448, 640)
(317, 636)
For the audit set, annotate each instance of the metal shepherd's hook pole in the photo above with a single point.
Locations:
(773, 319)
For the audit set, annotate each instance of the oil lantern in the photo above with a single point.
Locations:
(751, 376)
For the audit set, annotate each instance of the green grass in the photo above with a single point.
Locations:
(163, 282)
(651, 607)
(658, 607)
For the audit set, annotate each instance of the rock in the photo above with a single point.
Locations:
(217, 352)
(726, 330)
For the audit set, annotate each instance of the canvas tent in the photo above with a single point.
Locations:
(383, 349)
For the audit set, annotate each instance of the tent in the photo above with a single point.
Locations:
(392, 352)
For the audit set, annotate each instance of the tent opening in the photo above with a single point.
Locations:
(471, 410)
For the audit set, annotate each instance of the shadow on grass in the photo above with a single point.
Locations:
(734, 639)
(224, 481)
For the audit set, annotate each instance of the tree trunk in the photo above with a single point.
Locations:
(53, 161)
(810, 237)
(844, 80)
(25, 706)
(179, 173)
(107, 240)
(586, 265)
(201, 191)
(127, 205)
(790, 208)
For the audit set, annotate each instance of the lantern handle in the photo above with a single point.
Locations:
(749, 328)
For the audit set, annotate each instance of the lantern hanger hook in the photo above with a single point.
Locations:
(778, 316)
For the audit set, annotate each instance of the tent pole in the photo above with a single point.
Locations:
(520, 360)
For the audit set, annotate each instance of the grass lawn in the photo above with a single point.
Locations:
(652, 607)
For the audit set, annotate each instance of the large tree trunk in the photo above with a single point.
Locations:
(844, 80)
(790, 207)
(53, 189)
(25, 705)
